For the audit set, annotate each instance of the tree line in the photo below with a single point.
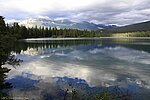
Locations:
(23, 32)
(6, 43)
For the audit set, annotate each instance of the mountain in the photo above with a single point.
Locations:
(143, 26)
(47, 22)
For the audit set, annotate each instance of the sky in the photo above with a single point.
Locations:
(120, 12)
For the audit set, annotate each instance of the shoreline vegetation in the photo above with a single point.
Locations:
(21, 32)
(6, 58)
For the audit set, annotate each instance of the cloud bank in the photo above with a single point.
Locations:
(98, 11)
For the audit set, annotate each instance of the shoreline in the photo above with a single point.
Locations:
(95, 38)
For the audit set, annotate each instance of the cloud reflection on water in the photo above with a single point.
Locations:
(101, 66)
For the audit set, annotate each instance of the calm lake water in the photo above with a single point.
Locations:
(52, 69)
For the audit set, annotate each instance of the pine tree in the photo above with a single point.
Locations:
(2, 24)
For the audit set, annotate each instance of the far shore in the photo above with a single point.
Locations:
(41, 39)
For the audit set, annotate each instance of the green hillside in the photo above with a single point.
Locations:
(138, 27)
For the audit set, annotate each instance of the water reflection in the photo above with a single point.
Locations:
(51, 69)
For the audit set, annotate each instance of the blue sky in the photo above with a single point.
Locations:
(119, 12)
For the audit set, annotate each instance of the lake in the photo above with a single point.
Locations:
(55, 69)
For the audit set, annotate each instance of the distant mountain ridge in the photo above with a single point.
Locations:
(47, 22)
(143, 26)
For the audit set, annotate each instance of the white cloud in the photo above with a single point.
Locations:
(102, 11)
(39, 6)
